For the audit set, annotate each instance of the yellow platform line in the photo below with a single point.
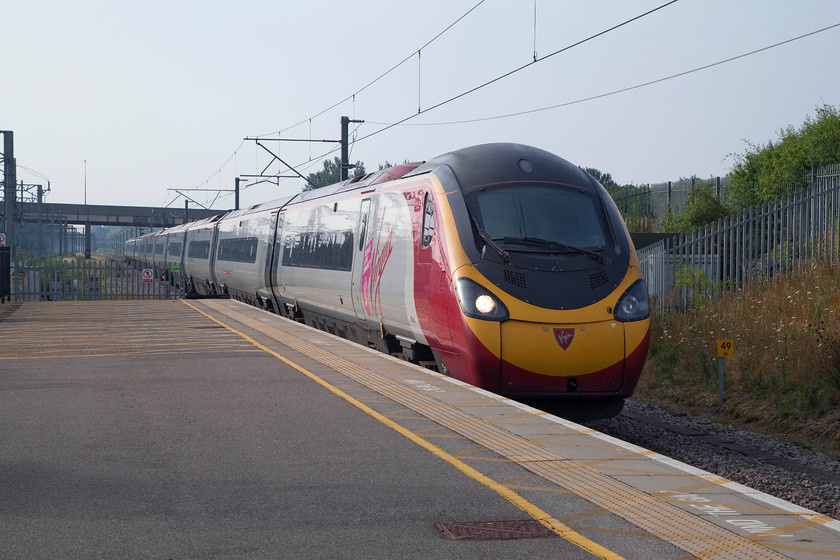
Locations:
(534, 511)
(659, 518)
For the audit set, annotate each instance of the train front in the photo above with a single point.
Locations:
(552, 297)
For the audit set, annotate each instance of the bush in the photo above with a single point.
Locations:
(766, 172)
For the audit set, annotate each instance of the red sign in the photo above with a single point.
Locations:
(148, 275)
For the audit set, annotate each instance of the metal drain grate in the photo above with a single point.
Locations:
(494, 530)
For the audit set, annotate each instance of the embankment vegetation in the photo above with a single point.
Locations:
(784, 378)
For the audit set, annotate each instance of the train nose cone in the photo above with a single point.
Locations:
(562, 358)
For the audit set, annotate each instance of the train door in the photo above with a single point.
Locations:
(214, 245)
(361, 263)
(432, 285)
(182, 277)
(272, 264)
(186, 275)
(164, 260)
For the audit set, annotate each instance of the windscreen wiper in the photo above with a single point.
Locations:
(563, 246)
(488, 241)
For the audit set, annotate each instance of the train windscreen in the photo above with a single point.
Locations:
(544, 215)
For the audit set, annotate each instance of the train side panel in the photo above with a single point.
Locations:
(314, 257)
(351, 260)
(386, 282)
(173, 258)
(198, 274)
(242, 248)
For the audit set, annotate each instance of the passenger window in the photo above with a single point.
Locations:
(428, 221)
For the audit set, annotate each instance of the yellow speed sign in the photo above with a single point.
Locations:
(725, 348)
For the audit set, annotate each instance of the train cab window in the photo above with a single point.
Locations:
(542, 213)
(428, 221)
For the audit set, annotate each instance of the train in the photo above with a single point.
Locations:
(502, 265)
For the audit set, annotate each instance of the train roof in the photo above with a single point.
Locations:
(205, 222)
(499, 162)
(374, 178)
(262, 206)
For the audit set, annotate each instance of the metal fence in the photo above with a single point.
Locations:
(646, 207)
(5, 274)
(85, 280)
(754, 244)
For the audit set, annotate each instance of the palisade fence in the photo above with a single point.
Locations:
(645, 207)
(85, 280)
(749, 246)
(5, 274)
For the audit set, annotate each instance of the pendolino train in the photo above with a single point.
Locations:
(501, 265)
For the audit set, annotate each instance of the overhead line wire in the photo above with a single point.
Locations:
(622, 90)
(515, 70)
(474, 89)
(353, 95)
(397, 65)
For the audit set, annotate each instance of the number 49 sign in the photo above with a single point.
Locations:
(725, 348)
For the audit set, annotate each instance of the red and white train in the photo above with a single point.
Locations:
(501, 265)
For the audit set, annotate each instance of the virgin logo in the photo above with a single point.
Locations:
(564, 337)
(373, 268)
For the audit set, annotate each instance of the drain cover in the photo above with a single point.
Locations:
(494, 530)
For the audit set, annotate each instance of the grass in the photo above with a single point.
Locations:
(784, 377)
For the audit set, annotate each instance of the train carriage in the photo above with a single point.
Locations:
(243, 250)
(145, 249)
(173, 258)
(199, 237)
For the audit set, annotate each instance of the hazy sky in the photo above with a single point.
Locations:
(157, 95)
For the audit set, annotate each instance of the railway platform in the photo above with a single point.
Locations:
(211, 429)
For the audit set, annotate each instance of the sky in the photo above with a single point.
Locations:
(128, 103)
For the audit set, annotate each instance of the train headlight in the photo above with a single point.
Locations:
(485, 304)
(477, 302)
(633, 304)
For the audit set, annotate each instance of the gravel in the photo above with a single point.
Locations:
(800, 476)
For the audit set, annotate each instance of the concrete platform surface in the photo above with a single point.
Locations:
(211, 429)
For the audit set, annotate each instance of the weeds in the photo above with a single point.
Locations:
(832, 367)
(784, 377)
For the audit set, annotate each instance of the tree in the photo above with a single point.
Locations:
(604, 178)
(331, 174)
(702, 207)
(766, 172)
